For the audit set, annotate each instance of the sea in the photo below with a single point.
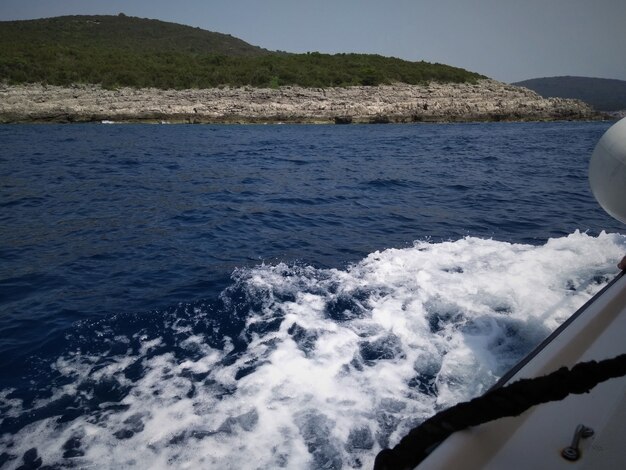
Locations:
(278, 296)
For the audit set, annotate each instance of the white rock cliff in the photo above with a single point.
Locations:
(486, 100)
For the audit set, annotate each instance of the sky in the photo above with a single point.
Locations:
(508, 40)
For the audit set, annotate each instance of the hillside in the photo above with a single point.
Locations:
(603, 94)
(121, 32)
(115, 51)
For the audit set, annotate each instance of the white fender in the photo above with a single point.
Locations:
(607, 171)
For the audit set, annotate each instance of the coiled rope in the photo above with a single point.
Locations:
(510, 400)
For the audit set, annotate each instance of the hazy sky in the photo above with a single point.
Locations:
(508, 40)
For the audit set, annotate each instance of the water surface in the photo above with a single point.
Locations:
(278, 296)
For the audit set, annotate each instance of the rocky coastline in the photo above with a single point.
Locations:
(486, 100)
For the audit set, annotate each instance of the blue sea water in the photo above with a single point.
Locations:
(277, 296)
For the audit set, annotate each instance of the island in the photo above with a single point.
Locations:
(124, 69)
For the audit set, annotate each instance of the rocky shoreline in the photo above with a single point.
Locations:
(486, 100)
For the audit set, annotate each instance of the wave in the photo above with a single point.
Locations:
(299, 367)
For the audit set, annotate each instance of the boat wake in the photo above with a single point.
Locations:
(298, 367)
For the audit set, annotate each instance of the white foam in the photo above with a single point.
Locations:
(358, 357)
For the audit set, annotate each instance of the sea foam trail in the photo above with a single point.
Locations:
(327, 366)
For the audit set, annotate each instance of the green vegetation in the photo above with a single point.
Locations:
(124, 51)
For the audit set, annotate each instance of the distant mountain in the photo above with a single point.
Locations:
(602, 93)
(120, 50)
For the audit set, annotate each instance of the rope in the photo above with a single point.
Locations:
(510, 400)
